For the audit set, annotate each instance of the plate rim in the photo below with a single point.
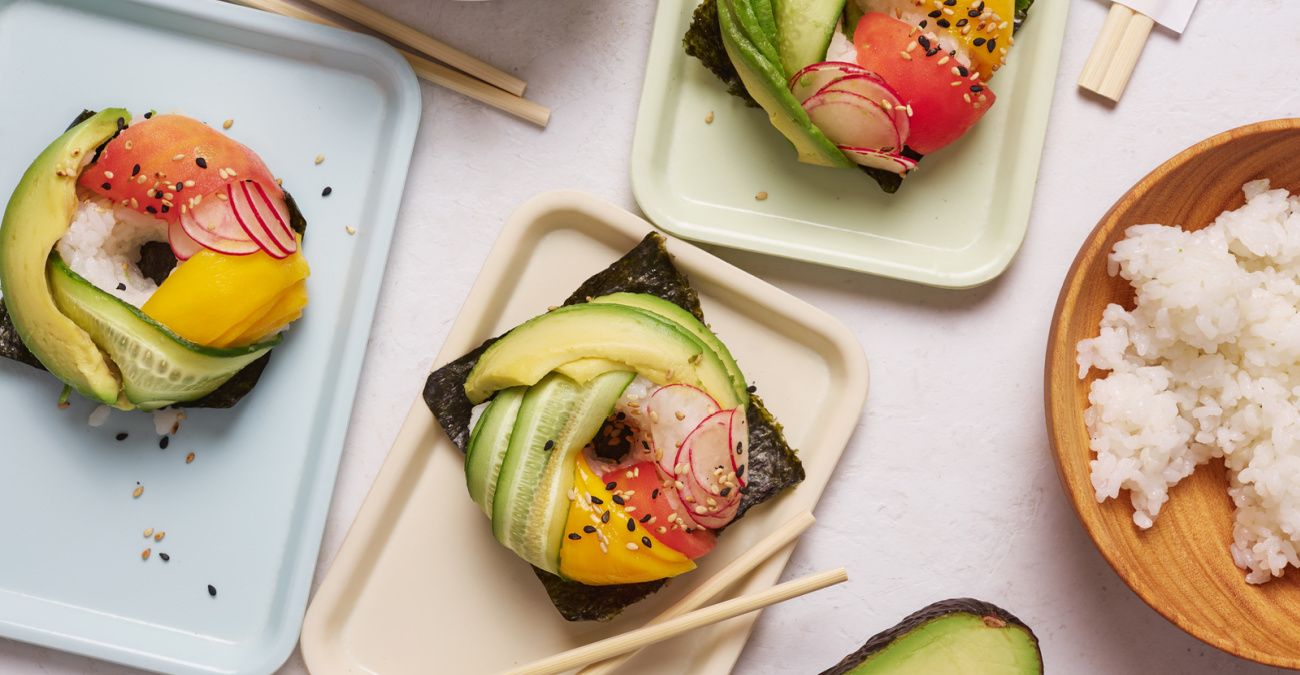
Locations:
(662, 206)
(323, 649)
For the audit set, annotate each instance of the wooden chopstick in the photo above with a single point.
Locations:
(1115, 53)
(648, 635)
(428, 70)
(386, 25)
(719, 582)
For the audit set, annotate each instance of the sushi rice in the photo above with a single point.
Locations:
(1207, 365)
(103, 246)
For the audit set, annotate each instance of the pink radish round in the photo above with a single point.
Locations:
(673, 412)
(811, 79)
(213, 225)
(889, 161)
(254, 216)
(872, 88)
(850, 119)
(183, 245)
(706, 467)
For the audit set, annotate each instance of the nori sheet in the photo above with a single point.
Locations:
(156, 262)
(648, 268)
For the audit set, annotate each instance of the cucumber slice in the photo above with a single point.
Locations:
(158, 367)
(692, 325)
(488, 444)
(557, 417)
(804, 30)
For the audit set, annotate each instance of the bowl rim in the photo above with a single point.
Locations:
(1070, 289)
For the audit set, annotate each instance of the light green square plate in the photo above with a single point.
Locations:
(957, 221)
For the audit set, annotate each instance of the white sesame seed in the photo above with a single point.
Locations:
(178, 157)
(632, 547)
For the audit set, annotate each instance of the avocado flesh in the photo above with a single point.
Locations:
(767, 85)
(648, 344)
(954, 637)
(38, 215)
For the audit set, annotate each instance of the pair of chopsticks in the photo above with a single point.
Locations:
(462, 73)
(607, 655)
(1116, 51)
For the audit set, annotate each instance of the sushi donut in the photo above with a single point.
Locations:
(146, 263)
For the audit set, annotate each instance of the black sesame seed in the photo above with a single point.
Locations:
(924, 41)
(962, 22)
(961, 70)
(604, 517)
(151, 209)
(646, 518)
(575, 536)
(751, 389)
(739, 444)
(645, 445)
(950, 3)
(166, 208)
(164, 442)
(121, 437)
(935, 14)
(932, 51)
(326, 192)
(147, 116)
(203, 163)
(976, 88)
(618, 499)
(107, 186)
(597, 500)
(621, 416)
(645, 541)
(549, 445)
(654, 494)
(121, 287)
(993, 44)
(924, 23)
(944, 23)
(740, 471)
(165, 557)
(589, 529)
(631, 525)
(180, 186)
(135, 170)
(978, 42)
(212, 590)
(121, 123)
(611, 485)
(725, 491)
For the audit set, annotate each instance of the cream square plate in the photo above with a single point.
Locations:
(956, 222)
(421, 586)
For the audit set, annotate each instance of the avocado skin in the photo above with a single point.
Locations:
(938, 610)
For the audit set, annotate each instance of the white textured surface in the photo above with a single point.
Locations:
(948, 488)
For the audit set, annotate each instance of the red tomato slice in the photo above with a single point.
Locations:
(945, 103)
(157, 165)
(651, 499)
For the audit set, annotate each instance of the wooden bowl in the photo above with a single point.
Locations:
(1181, 566)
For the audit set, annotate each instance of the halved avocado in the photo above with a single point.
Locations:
(647, 343)
(962, 636)
(38, 215)
(765, 82)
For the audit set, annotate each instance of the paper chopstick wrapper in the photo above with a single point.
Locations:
(1172, 14)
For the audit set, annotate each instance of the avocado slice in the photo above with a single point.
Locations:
(765, 82)
(38, 215)
(962, 636)
(647, 343)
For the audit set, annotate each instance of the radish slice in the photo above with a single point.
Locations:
(674, 411)
(889, 161)
(849, 119)
(811, 79)
(284, 235)
(213, 226)
(246, 213)
(707, 471)
(875, 89)
(183, 245)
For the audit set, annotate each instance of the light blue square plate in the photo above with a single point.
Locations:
(247, 515)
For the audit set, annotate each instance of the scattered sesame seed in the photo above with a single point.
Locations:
(122, 436)
(144, 555)
(212, 590)
(227, 124)
(159, 536)
(708, 119)
(139, 490)
(631, 525)
(164, 442)
(148, 114)
(597, 500)
(751, 389)
(588, 529)
(148, 532)
(575, 536)
(618, 499)
(662, 529)
(327, 191)
(165, 557)
(549, 445)
(320, 158)
(611, 485)
(350, 229)
(645, 518)
(108, 175)
(178, 157)
(203, 164)
(107, 186)
(761, 196)
(645, 541)
(906, 56)
(604, 517)
(631, 546)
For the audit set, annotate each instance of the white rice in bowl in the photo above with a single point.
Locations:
(1207, 364)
